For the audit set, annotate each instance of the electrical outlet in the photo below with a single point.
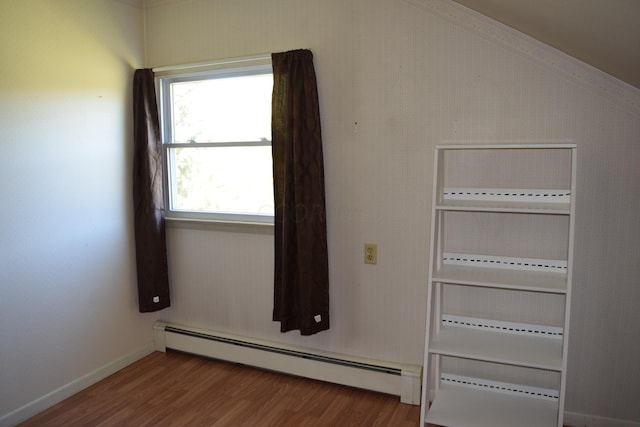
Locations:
(370, 253)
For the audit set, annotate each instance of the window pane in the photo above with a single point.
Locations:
(222, 179)
(227, 109)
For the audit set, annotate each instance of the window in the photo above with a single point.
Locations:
(216, 132)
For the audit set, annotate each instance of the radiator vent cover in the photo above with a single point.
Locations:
(391, 378)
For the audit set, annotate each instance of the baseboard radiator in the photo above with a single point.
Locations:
(396, 379)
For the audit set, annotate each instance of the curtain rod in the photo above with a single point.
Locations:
(209, 63)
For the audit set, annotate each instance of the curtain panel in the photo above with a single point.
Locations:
(301, 277)
(149, 222)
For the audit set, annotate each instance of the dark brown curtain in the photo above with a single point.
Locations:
(151, 251)
(301, 291)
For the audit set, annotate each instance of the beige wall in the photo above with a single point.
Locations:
(395, 78)
(68, 310)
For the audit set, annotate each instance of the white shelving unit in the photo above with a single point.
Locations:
(499, 287)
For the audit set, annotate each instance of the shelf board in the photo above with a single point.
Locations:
(507, 146)
(513, 349)
(534, 281)
(505, 206)
(517, 200)
(461, 406)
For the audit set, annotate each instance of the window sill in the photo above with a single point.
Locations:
(220, 225)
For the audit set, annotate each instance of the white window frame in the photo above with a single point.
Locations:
(163, 84)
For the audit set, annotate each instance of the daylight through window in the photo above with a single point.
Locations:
(217, 144)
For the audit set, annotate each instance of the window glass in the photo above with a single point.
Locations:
(217, 138)
(222, 109)
(223, 179)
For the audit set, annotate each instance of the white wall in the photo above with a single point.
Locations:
(68, 305)
(395, 78)
(373, 166)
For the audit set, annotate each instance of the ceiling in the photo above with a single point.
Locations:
(602, 33)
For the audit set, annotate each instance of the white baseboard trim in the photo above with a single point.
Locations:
(40, 404)
(573, 419)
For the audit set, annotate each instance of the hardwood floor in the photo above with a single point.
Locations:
(176, 389)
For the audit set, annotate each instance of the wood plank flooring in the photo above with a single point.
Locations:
(176, 389)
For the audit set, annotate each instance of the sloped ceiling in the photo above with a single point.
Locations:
(602, 33)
